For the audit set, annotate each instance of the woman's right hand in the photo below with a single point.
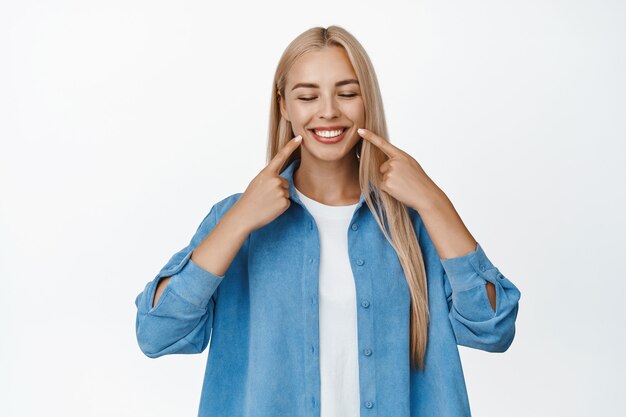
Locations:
(267, 195)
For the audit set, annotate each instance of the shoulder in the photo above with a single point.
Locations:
(216, 212)
(222, 206)
(413, 217)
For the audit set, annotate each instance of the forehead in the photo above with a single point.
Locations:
(325, 66)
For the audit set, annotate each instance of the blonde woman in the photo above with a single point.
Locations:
(341, 281)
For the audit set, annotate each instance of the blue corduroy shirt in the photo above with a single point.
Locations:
(262, 319)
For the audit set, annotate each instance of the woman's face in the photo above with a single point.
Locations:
(322, 92)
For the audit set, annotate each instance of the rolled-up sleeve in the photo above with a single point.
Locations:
(182, 319)
(474, 321)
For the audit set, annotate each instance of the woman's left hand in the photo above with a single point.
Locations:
(403, 177)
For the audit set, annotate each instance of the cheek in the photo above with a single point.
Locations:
(355, 111)
(300, 114)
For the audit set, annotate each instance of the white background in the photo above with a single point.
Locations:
(123, 122)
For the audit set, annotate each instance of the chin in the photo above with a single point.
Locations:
(328, 155)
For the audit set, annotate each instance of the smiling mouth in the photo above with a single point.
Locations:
(329, 139)
(329, 133)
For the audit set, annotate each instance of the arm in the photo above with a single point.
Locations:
(179, 318)
(483, 303)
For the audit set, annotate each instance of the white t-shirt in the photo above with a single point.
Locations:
(339, 366)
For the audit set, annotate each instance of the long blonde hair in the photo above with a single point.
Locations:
(403, 238)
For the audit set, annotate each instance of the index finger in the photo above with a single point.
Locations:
(281, 156)
(385, 146)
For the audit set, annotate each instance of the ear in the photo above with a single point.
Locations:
(283, 110)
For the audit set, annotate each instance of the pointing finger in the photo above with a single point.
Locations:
(380, 143)
(281, 156)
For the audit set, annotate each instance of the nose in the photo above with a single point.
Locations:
(328, 108)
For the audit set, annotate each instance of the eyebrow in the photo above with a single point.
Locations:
(337, 84)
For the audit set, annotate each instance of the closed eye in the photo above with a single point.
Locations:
(313, 98)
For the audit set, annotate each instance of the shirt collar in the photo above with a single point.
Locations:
(288, 175)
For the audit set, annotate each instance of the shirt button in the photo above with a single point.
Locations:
(369, 404)
(360, 262)
(365, 303)
(367, 351)
(313, 401)
(311, 260)
(355, 226)
(482, 268)
(313, 300)
(312, 349)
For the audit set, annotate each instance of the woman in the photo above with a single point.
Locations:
(342, 280)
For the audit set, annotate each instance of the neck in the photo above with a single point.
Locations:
(334, 183)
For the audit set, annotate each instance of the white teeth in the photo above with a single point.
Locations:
(328, 133)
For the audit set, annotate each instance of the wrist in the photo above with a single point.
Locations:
(435, 199)
(236, 222)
